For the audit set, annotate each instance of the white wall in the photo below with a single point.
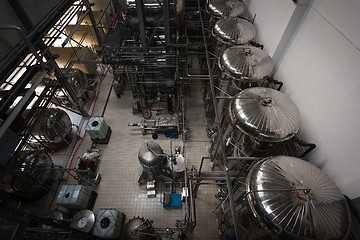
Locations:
(321, 73)
(271, 20)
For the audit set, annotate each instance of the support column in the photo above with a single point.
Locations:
(62, 80)
(142, 24)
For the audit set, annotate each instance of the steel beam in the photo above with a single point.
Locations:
(26, 41)
(64, 83)
(22, 103)
(142, 24)
(16, 55)
(21, 14)
(93, 21)
(8, 99)
(166, 14)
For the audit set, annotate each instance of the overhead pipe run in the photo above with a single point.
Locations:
(217, 119)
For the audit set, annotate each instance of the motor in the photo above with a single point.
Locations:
(87, 166)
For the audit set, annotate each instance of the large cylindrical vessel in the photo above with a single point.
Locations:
(265, 114)
(246, 63)
(257, 119)
(139, 229)
(226, 8)
(152, 158)
(236, 31)
(54, 129)
(33, 174)
(288, 198)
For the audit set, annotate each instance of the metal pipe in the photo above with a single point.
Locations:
(223, 153)
(93, 21)
(55, 32)
(192, 202)
(166, 15)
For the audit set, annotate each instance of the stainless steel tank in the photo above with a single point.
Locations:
(152, 158)
(139, 229)
(54, 129)
(226, 8)
(153, 11)
(256, 120)
(236, 31)
(288, 198)
(79, 83)
(265, 114)
(177, 165)
(32, 175)
(229, 31)
(246, 63)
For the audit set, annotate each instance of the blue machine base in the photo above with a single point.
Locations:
(175, 201)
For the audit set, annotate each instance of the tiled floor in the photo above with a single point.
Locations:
(120, 168)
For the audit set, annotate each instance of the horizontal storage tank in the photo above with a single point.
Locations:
(109, 223)
(139, 229)
(33, 174)
(74, 197)
(54, 129)
(97, 128)
(78, 82)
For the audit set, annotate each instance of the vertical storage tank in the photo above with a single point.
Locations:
(152, 158)
(257, 119)
(139, 229)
